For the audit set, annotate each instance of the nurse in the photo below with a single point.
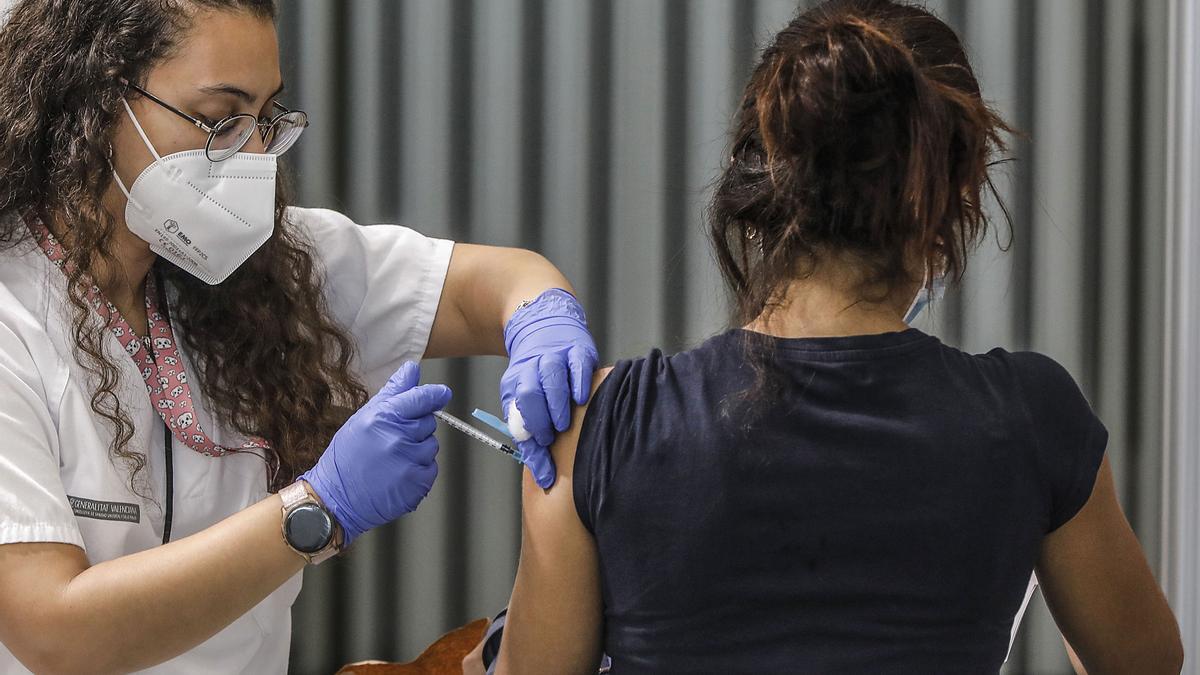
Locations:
(180, 350)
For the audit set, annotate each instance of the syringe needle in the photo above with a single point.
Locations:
(476, 434)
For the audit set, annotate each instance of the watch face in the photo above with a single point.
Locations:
(308, 528)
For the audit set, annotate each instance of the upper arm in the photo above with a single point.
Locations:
(32, 576)
(1102, 593)
(484, 286)
(555, 617)
(382, 283)
(33, 501)
(39, 539)
(453, 333)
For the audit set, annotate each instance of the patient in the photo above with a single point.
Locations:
(823, 488)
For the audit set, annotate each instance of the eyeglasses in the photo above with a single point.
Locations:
(228, 136)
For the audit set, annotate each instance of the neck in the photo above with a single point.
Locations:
(122, 277)
(123, 281)
(830, 303)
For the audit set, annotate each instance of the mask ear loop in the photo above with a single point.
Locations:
(145, 139)
(141, 132)
(921, 299)
(933, 288)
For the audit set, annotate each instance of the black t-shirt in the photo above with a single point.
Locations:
(882, 513)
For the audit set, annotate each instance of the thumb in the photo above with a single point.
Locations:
(537, 458)
(401, 381)
(582, 361)
(420, 401)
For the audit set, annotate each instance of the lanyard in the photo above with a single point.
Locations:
(168, 442)
(168, 438)
(157, 356)
(161, 366)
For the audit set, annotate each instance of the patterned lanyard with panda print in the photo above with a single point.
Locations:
(156, 355)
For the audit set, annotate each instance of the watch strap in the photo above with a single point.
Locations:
(295, 495)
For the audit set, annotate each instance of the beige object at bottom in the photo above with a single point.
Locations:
(443, 657)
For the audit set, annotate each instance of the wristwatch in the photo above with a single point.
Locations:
(308, 528)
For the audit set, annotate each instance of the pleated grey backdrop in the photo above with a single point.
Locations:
(589, 130)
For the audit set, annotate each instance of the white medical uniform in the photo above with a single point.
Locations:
(57, 480)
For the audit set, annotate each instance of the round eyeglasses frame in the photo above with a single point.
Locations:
(267, 129)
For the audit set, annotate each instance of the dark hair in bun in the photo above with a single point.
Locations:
(862, 130)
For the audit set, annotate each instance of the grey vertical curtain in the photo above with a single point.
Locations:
(1181, 502)
(589, 130)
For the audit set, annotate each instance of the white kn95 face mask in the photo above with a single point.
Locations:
(205, 217)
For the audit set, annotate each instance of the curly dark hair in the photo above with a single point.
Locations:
(862, 131)
(269, 357)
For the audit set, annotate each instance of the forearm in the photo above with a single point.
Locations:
(483, 288)
(143, 609)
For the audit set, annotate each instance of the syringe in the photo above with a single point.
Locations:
(477, 434)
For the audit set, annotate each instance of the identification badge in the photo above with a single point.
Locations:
(119, 511)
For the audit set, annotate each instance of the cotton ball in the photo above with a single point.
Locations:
(516, 423)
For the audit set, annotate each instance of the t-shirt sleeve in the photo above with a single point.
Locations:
(33, 501)
(383, 283)
(1070, 438)
(617, 415)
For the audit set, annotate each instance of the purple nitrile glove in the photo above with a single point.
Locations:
(551, 360)
(382, 462)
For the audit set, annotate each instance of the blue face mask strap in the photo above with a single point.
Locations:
(932, 289)
(918, 304)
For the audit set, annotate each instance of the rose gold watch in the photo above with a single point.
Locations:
(308, 527)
